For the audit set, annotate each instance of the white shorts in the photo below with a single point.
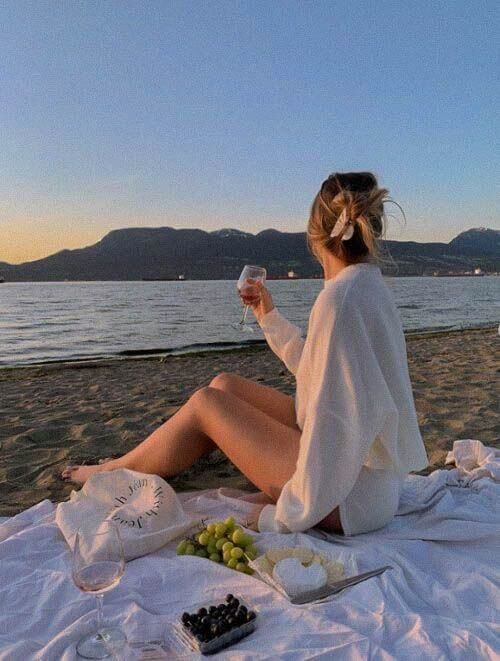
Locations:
(373, 501)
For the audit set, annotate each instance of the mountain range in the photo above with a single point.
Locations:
(165, 252)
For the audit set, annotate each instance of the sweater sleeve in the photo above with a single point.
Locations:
(346, 405)
(284, 338)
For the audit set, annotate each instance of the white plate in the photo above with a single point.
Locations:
(338, 555)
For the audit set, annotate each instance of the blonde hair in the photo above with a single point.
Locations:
(358, 194)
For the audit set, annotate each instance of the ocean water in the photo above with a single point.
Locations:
(42, 322)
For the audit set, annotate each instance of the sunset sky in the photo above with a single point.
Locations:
(230, 114)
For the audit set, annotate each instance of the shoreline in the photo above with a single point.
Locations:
(52, 415)
(218, 347)
(284, 277)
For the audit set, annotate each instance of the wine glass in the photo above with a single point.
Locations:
(249, 277)
(98, 565)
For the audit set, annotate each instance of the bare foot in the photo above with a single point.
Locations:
(81, 474)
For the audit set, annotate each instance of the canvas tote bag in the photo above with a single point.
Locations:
(144, 508)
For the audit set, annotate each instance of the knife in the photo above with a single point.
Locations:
(334, 588)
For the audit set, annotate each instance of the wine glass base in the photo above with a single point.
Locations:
(244, 328)
(101, 645)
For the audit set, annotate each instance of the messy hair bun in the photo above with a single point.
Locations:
(355, 199)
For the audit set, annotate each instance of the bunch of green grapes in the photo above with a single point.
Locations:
(222, 541)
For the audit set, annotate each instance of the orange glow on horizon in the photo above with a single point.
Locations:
(30, 240)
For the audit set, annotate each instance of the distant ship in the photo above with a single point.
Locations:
(177, 279)
(450, 274)
(291, 275)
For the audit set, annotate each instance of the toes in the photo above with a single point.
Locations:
(68, 472)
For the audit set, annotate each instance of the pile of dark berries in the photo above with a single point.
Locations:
(205, 625)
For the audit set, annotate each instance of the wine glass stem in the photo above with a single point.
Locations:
(244, 316)
(100, 616)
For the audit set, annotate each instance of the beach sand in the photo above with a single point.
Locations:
(53, 415)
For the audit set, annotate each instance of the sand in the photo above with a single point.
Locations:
(53, 415)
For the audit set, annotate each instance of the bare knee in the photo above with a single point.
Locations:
(203, 406)
(200, 395)
(203, 398)
(224, 381)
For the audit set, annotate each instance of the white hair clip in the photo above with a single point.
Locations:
(345, 225)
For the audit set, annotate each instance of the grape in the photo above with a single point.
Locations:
(247, 541)
(220, 530)
(241, 566)
(230, 522)
(204, 538)
(221, 541)
(181, 547)
(238, 537)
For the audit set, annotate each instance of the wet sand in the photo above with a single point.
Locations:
(52, 415)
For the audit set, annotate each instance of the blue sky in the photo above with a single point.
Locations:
(230, 114)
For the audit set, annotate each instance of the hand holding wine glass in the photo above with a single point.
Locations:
(98, 565)
(250, 277)
(258, 298)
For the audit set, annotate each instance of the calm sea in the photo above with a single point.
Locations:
(75, 320)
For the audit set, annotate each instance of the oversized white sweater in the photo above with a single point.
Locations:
(354, 402)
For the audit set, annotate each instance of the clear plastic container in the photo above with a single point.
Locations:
(186, 639)
(262, 570)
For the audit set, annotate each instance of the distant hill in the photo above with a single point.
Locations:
(164, 252)
(477, 241)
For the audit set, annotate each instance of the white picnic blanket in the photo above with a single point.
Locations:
(440, 600)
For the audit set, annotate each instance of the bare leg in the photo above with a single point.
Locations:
(274, 403)
(263, 448)
(268, 400)
(188, 444)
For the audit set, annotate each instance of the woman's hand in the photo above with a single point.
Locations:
(257, 296)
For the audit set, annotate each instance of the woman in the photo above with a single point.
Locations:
(336, 456)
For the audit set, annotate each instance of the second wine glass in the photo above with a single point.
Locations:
(98, 565)
(249, 277)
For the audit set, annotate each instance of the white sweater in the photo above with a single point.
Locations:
(354, 402)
